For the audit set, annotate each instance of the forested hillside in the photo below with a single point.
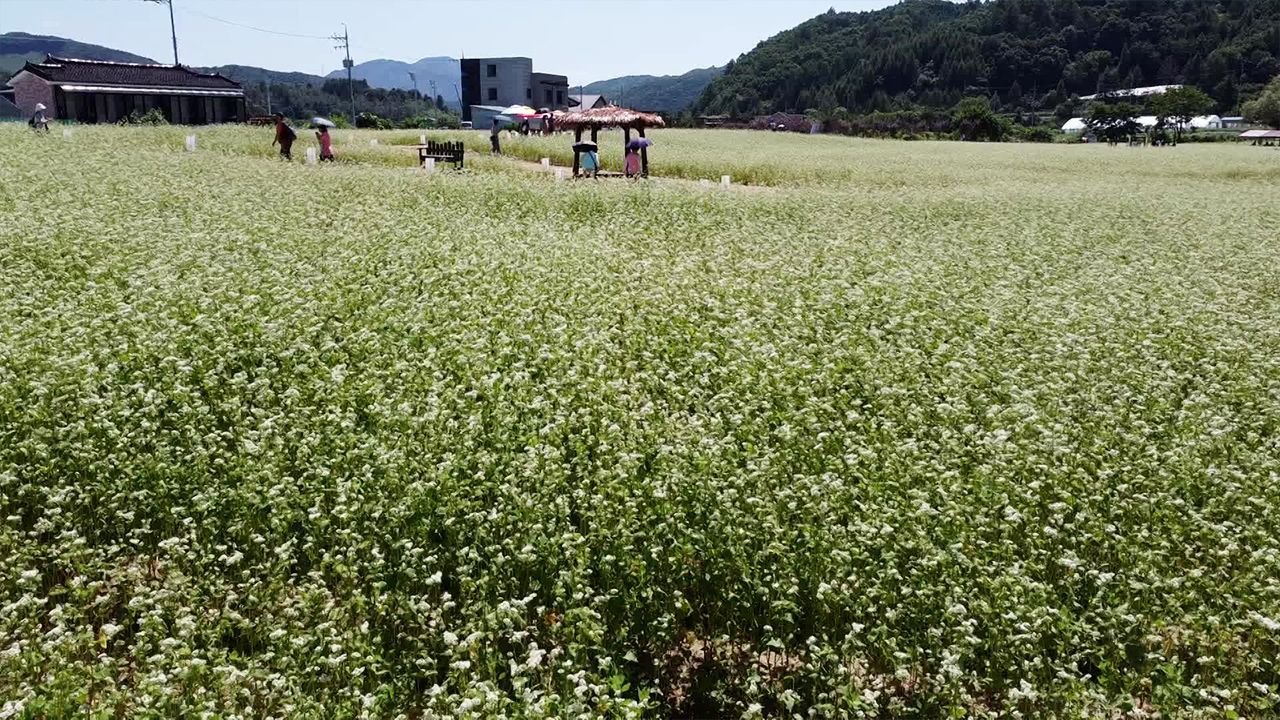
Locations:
(656, 92)
(1023, 53)
(331, 99)
(250, 75)
(16, 48)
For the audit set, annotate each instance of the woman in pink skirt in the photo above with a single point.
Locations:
(631, 166)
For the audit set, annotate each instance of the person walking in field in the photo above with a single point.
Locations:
(326, 146)
(285, 137)
(495, 148)
(39, 121)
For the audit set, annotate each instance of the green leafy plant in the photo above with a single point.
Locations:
(919, 430)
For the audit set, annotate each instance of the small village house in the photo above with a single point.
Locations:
(587, 101)
(503, 82)
(549, 91)
(482, 115)
(8, 111)
(780, 120)
(95, 91)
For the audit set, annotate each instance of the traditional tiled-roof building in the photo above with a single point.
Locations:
(94, 91)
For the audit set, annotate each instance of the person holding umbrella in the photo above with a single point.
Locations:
(322, 135)
(631, 164)
(496, 149)
(587, 150)
(39, 121)
(285, 137)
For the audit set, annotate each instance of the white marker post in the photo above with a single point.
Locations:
(373, 142)
(704, 181)
(422, 139)
(546, 163)
(311, 156)
(66, 133)
(191, 143)
(724, 181)
(429, 164)
(559, 174)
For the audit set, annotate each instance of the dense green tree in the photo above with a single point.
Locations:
(1113, 122)
(930, 53)
(975, 120)
(1266, 107)
(338, 86)
(1068, 109)
(1179, 105)
(330, 99)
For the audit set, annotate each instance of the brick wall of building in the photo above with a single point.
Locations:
(31, 90)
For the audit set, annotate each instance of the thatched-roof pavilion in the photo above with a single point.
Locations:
(611, 116)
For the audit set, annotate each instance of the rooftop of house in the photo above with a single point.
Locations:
(98, 72)
(585, 101)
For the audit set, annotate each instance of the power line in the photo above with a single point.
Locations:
(258, 29)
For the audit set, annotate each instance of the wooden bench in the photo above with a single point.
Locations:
(441, 152)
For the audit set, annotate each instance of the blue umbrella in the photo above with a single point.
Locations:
(637, 143)
(322, 122)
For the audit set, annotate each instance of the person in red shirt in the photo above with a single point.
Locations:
(326, 147)
(285, 136)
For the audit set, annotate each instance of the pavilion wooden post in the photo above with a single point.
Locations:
(626, 143)
(595, 172)
(577, 138)
(644, 154)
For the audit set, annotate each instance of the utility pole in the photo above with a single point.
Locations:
(268, 96)
(173, 30)
(346, 63)
(434, 94)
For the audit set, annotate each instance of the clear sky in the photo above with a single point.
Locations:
(585, 39)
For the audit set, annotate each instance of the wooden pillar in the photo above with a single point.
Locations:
(577, 138)
(595, 129)
(626, 140)
(644, 154)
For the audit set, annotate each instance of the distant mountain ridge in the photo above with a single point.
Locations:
(394, 74)
(668, 93)
(16, 48)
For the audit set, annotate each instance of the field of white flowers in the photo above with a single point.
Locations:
(926, 430)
